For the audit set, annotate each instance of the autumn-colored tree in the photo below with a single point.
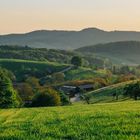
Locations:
(58, 77)
(34, 83)
(25, 91)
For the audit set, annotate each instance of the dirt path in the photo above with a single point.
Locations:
(67, 69)
(76, 98)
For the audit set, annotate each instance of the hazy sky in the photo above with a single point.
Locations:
(28, 15)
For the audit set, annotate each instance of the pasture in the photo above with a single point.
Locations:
(105, 95)
(113, 121)
(27, 67)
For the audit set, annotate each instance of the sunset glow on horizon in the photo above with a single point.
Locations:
(17, 16)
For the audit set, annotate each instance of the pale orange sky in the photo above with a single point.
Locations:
(26, 15)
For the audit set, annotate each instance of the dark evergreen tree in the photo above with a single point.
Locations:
(8, 96)
(76, 61)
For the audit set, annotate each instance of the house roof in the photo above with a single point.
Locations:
(70, 87)
(86, 86)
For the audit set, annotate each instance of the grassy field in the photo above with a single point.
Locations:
(21, 67)
(105, 95)
(114, 121)
(84, 73)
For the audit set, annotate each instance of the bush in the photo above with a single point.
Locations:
(64, 99)
(58, 77)
(46, 98)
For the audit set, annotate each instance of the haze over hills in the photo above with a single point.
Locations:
(59, 39)
(126, 52)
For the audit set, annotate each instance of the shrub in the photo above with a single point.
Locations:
(58, 77)
(64, 99)
(48, 97)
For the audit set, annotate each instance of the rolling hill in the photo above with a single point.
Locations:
(125, 52)
(67, 39)
(105, 95)
(48, 55)
(24, 68)
(35, 54)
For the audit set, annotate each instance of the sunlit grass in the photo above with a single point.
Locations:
(113, 121)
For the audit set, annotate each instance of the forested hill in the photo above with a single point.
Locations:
(35, 54)
(48, 55)
(67, 39)
(123, 52)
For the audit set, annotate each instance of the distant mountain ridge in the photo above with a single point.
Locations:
(61, 39)
(125, 52)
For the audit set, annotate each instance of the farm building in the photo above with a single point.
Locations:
(72, 90)
(69, 90)
(87, 87)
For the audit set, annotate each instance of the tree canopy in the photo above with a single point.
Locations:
(48, 97)
(8, 96)
(76, 61)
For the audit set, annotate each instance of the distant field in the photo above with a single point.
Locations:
(84, 73)
(114, 121)
(105, 95)
(21, 67)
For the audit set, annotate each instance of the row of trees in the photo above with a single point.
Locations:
(131, 90)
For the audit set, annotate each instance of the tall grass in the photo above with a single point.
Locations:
(114, 121)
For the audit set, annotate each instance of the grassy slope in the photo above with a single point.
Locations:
(20, 67)
(113, 121)
(106, 94)
(84, 73)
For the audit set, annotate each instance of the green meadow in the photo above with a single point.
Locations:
(20, 68)
(112, 121)
(105, 95)
(23, 67)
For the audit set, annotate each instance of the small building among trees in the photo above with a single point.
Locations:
(73, 90)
